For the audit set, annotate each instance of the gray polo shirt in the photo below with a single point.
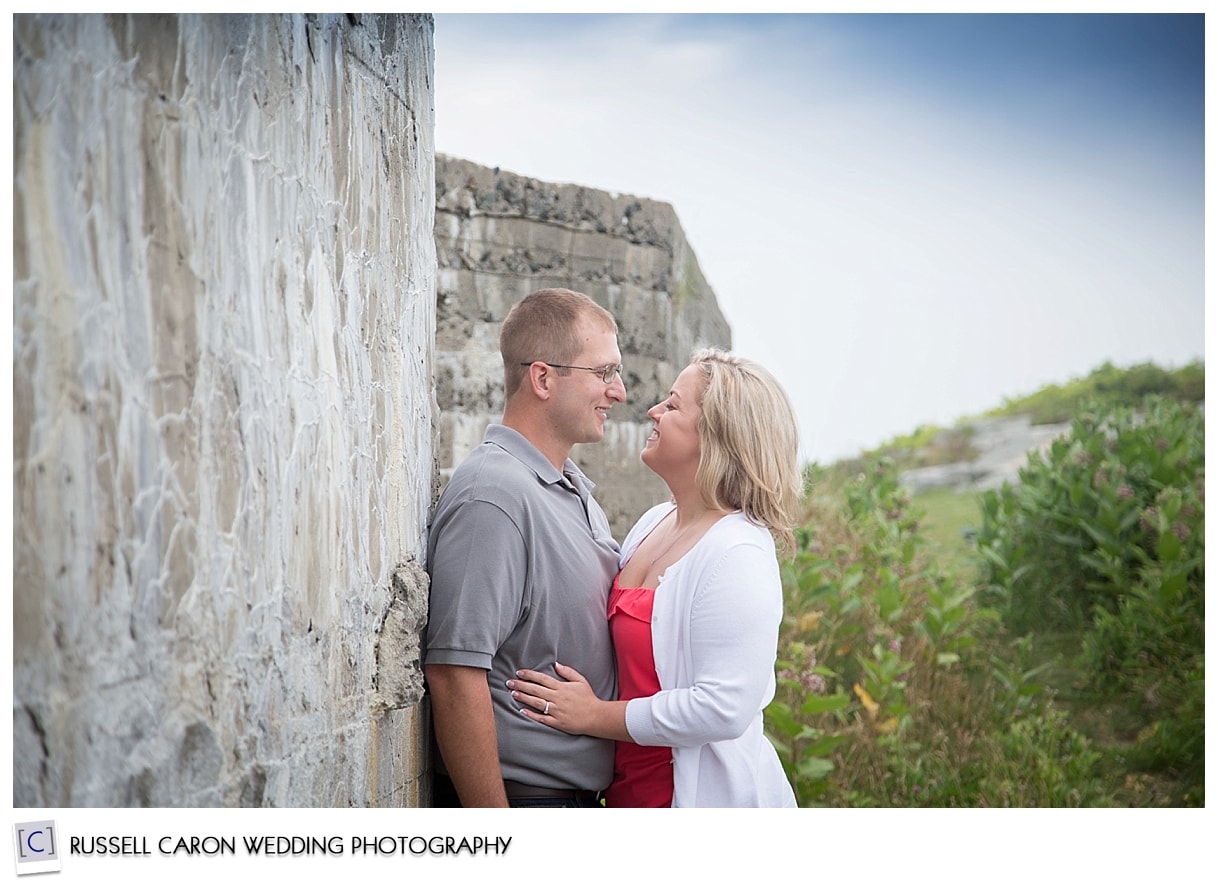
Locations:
(521, 560)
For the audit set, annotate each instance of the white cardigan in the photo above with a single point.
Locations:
(714, 632)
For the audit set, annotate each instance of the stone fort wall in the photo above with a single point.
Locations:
(223, 325)
(499, 236)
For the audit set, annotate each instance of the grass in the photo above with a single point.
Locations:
(1107, 724)
(946, 515)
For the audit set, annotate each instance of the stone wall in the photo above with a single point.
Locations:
(499, 236)
(223, 271)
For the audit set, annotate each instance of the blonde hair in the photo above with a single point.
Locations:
(545, 326)
(750, 444)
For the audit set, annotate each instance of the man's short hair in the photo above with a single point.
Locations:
(545, 326)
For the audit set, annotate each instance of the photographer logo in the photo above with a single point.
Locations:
(36, 847)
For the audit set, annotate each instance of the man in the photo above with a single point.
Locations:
(521, 560)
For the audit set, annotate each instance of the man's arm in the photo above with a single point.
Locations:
(465, 732)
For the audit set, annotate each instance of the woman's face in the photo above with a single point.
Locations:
(673, 448)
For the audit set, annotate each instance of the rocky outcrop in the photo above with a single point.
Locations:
(1000, 446)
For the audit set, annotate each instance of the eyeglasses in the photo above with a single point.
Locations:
(609, 372)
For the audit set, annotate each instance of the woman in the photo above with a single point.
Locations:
(697, 603)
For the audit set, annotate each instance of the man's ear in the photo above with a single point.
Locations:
(540, 379)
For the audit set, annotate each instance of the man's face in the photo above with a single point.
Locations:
(582, 398)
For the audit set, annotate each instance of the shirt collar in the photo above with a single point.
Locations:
(522, 449)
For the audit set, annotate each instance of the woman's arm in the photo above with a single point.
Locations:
(733, 638)
(728, 670)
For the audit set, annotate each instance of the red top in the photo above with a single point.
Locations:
(642, 775)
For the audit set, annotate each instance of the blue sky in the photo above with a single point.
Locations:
(908, 218)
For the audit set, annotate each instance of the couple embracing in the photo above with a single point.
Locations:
(567, 671)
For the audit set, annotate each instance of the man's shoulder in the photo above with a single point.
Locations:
(490, 473)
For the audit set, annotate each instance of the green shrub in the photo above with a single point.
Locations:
(1104, 538)
(1108, 386)
(1042, 763)
(1072, 537)
(894, 687)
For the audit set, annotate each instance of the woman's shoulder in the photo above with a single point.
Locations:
(738, 529)
(650, 518)
(734, 542)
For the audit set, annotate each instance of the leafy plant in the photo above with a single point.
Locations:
(1103, 538)
(888, 690)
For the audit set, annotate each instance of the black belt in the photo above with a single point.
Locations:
(525, 791)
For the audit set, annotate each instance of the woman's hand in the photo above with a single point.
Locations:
(569, 704)
(561, 704)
